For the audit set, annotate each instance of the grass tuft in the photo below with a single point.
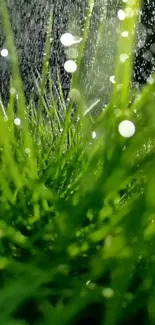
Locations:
(77, 219)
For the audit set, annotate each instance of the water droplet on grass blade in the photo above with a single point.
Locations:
(67, 39)
(117, 112)
(126, 129)
(12, 91)
(88, 282)
(124, 57)
(27, 151)
(70, 66)
(112, 79)
(17, 121)
(125, 33)
(121, 14)
(94, 135)
(74, 95)
(91, 285)
(150, 80)
(4, 53)
(108, 293)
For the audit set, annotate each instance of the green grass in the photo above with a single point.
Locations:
(68, 238)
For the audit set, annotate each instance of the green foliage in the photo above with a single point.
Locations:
(77, 219)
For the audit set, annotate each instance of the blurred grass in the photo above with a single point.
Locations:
(77, 218)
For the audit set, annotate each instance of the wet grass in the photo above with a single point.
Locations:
(77, 211)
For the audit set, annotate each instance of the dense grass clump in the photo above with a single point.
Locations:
(77, 209)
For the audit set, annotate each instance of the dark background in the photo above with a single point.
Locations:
(29, 21)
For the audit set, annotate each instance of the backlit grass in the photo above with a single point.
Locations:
(77, 211)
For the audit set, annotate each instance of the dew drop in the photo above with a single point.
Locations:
(121, 14)
(124, 57)
(4, 53)
(67, 39)
(112, 79)
(12, 91)
(91, 286)
(125, 33)
(27, 151)
(88, 282)
(150, 80)
(108, 293)
(70, 66)
(126, 129)
(17, 121)
(117, 112)
(94, 134)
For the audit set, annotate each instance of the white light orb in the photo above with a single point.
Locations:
(121, 14)
(108, 293)
(150, 80)
(27, 151)
(4, 53)
(70, 66)
(112, 79)
(74, 95)
(124, 57)
(17, 121)
(94, 134)
(67, 39)
(125, 33)
(126, 129)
